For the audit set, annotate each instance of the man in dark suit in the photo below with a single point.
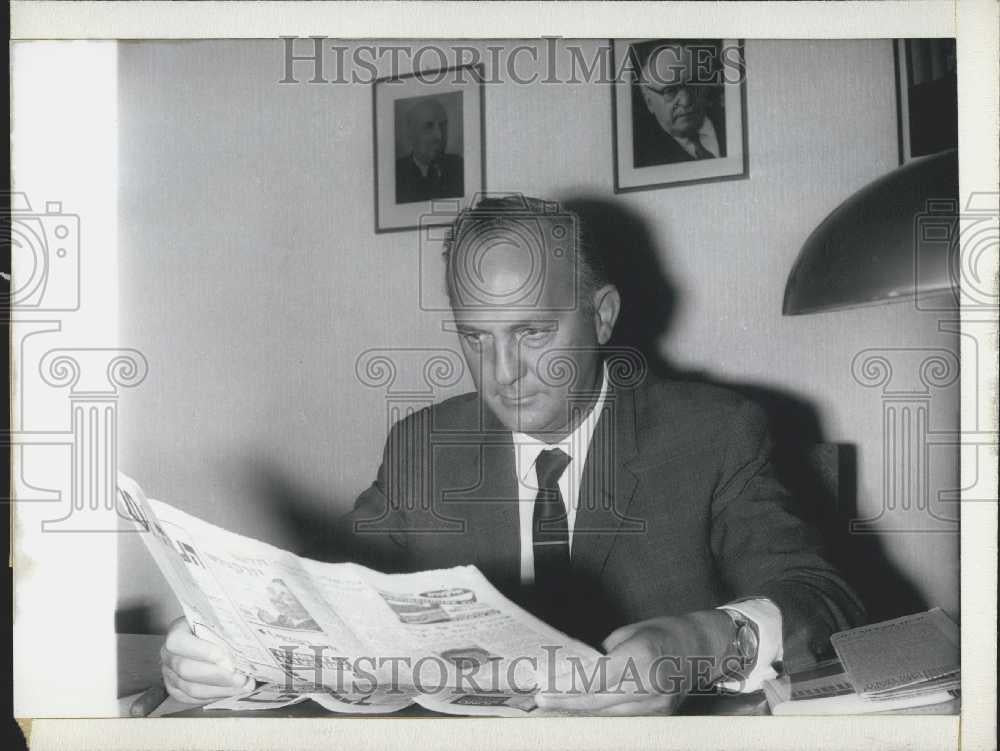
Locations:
(677, 105)
(428, 171)
(634, 513)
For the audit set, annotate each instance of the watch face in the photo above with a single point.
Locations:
(746, 641)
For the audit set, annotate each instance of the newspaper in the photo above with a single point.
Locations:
(351, 639)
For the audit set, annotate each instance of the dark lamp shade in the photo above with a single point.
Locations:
(895, 239)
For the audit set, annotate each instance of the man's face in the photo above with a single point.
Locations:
(428, 126)
(670, 92)
(529, 362)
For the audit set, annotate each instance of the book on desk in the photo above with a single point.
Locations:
(904, 663)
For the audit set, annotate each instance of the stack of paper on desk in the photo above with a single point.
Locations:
(906, 662)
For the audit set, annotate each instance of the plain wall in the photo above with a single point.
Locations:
(252, 278)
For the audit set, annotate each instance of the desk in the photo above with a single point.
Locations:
(139, 668)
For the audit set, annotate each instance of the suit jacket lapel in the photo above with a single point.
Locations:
(608, 485)
(493, 505)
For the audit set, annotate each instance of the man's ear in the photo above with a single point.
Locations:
(607, 304)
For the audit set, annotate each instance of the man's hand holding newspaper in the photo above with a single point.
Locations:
(196, 671)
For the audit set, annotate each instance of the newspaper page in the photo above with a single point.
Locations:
(348, 637)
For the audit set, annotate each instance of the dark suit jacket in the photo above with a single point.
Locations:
(679, 511)
(445, 179)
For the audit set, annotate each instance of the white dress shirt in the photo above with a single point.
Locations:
(706, 136)
(761, 611)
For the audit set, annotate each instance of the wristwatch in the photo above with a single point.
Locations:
(745, 644)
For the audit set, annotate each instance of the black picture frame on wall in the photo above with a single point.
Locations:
(428, 135)
(926, 96)
(709, 141)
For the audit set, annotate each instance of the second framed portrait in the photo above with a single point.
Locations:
(678, 112)
(428, 144)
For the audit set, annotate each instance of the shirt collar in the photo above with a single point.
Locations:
(424, 171)
(576, 444)
(707, 137)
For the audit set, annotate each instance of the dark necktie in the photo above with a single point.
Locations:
(550, 534)
(700, 152)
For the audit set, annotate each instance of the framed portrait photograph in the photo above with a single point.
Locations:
(678, 112)
(428, 137)
(926, 96)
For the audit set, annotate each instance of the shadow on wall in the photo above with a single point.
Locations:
(821, 476)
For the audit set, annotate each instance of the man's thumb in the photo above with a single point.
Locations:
(619, 635)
